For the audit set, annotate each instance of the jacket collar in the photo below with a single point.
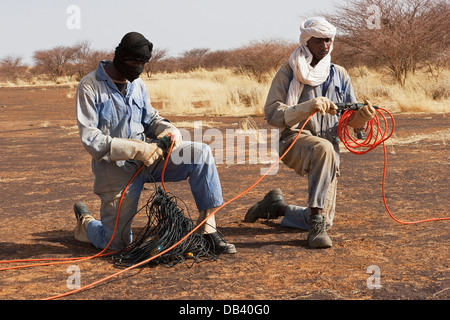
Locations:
(101, 73)
(103, 76)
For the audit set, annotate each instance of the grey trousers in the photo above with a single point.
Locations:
(314, 157)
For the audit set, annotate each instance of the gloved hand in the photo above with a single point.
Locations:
(363, 115)
(165, 128)
(126, 149)
(301, 111)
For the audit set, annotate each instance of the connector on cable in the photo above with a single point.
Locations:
(345, 106)
(351, 105)
(164, 143)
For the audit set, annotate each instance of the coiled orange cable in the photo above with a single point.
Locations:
(377, 133)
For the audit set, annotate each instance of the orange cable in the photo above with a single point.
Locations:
(385, 203)
(371, 142)
(79, 259)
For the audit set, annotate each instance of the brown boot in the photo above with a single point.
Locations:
(83, 218)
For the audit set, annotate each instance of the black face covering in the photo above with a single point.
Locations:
(134, 46)
(128, 71)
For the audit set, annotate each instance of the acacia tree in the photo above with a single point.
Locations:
(95, 57)
(157, 55)
(403, 35)
(82, 53)
(193, 58)
(55, 62)
(262, 57)
(78, 59)
(259, 58)
(86, 59)
(11, 67)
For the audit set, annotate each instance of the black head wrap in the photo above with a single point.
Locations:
(133, 46)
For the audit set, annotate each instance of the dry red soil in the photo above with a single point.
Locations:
(45, 170)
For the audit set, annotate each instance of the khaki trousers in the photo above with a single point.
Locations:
(315, 157)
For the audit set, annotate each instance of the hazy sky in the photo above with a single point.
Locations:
(176, 25)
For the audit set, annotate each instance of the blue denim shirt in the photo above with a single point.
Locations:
(104, 113)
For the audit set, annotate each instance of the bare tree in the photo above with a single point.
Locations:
(55, 62)
(262, 57)
(86, 59)
(409, 33)
(95, 56)
(11, 67)
(192, 59)
(257, 57)
(217, 59)
(157, 56)
(169, 64)
(82, 53)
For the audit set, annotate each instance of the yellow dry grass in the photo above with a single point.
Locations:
(224, 92)
(423, 92)
(227, 92)
(39, 81)
(218, 92)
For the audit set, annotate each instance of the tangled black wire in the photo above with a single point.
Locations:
(167, 224)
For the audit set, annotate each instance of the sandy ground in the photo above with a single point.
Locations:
(44, 170)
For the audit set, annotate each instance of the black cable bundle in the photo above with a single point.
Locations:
(167, 224)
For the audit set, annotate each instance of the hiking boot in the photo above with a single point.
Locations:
(80, 210)
(83, 218)
(317, 235)
(267, 208)
(218, 244)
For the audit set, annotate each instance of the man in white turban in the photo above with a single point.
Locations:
(309, 82)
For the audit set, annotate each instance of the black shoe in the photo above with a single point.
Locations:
(218, 245)
(80, 210)
(267, 208)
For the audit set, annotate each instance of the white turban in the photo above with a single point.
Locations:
(316, 27)
(300, 59)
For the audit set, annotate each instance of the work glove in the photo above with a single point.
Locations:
(127, 149)
(364, 114)
(301, 111)
(166, 128)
